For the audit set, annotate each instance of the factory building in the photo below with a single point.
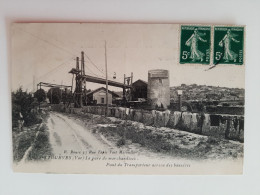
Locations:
(139, 90)
(98, 96)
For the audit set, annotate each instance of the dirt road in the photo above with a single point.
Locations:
(71, 135)
(67, 134)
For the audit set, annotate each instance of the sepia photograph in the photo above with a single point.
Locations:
(119, 98)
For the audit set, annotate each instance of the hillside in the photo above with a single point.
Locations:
(207, 93)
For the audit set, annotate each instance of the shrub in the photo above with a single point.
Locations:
(22, 102)
(40, 95)
(21, 143)
(212, 140)
(41, 146)
(120, 142)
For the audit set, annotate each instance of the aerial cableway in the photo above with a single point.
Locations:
(81, 78)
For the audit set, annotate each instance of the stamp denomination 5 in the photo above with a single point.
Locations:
(195, 44)
(228, 45)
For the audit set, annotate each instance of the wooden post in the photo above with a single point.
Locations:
(51, 95)
(82, 63)
(83, 80)
(77, 63)
(39, 101)
(124, 90)
(106, 112)
(131, 89)
(72, 82)
(80, 79)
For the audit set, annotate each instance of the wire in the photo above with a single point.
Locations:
(62, 64)
(59, 47)
(37, 37)
(93, 63)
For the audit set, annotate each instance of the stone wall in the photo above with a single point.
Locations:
(217, 125)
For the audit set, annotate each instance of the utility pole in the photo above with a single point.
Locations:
(106, 113)
(131, 89)
(124, 90)
(51, 95)
(34, 81)
(39, 101)
(179, 92)
(83, 79)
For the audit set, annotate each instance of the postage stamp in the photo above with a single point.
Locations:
(195, 44)
(228, 45)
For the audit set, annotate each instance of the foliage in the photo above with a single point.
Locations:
(21, 143)
(22, 102)
(66, 96)
(54, 95)
(120, 142)
(40, 95)
(41, 147)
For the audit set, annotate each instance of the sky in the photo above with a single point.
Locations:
(45, 52)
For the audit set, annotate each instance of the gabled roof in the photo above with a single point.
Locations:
(140, 80)
(102, 88)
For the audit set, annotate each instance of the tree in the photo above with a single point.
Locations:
(40, 95)
(22, 103)
(66, 96)
(54, 95)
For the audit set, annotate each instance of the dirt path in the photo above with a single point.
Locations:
(67, 134)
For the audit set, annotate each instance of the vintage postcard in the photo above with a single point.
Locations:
(115, 98)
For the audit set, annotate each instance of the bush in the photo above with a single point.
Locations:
(120, 142)
(21, 143)
(41, 147)
(40, 95)
(212, 140)
(22, 102)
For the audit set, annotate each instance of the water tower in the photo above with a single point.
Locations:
(158, 92)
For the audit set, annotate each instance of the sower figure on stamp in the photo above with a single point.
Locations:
(229, 55)
(192, 42)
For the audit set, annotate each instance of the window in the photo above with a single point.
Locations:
(102, 100)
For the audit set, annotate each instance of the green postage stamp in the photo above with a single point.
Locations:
(228, 45)
(195, 44)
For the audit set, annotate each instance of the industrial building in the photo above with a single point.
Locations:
(139, 90)
(98, 96)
